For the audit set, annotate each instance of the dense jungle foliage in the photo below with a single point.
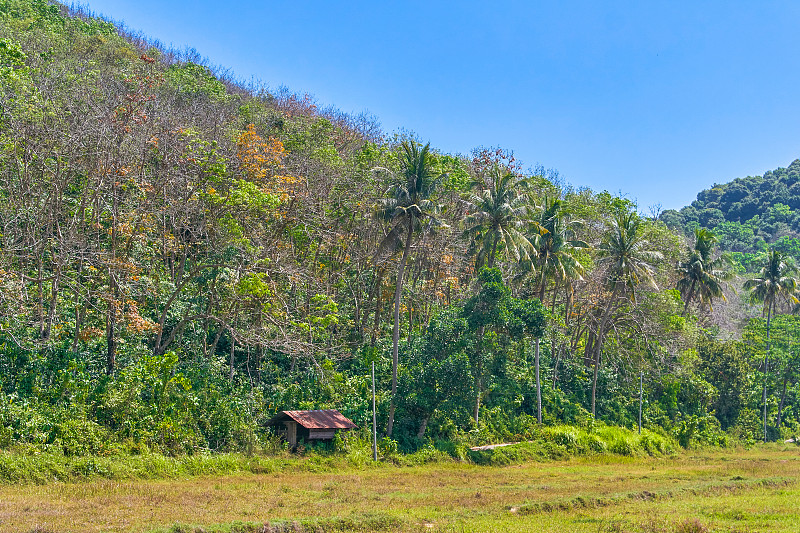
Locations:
(748, 215)
(182, 256)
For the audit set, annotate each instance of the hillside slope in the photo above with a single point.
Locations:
(181, 257)
(747, 213)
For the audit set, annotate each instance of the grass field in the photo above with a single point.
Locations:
(720, 490)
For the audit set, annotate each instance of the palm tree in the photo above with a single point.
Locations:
(497, 211)
(409, 208)
(554, 255)
(556, 246)
(623, 250)
(700, 274)
(775, 280)
(496, 218)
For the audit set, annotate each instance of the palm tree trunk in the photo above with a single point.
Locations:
(689, 296)
(538, 384)
(542, 280)
(376, 287)
(766, 367)
(478, 374)
(398, 291)
(594, 380)
(490, 261)
(479, 348)
(232, 359)
(783, 398)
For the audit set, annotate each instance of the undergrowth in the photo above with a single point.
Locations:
(563, 442)
(352, 451)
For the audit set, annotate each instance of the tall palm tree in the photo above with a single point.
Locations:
(623, 251)
(496, 220)
(408, 206)
(554, 255)
(701, 275)
(774, 281)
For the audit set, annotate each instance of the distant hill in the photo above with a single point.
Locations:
(747, 214)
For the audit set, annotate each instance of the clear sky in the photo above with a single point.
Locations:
(654, 99)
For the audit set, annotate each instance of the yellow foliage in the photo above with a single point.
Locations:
(260, 159)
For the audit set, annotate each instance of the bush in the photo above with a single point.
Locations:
(565, 436)
(695, 430)
(592, 443)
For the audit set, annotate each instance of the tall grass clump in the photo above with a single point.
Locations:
(44, 468)
(562, 442)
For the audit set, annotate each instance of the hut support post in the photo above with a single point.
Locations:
(291, 434)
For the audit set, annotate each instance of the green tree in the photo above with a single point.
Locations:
(775, 280)
(784, 356)
(494, 309)
(623, 251)
(496, 220)
(700, 273)
(409, 208)
(527, 318)
(437, 378)
(485, 310)
(556, 246)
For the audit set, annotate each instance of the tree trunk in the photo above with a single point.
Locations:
(422, 427)
(398, 291)
(689, 296)
(555, 364)
(79, 309)
(111, 319)
(599, 343)
(479, 349)
(538, 384)
(766, 367)
(376, 287)
(490, 261)
(479, 375)
(54, 286)
(111, 340)
(233, 347)
(783, 398)
(543, 279)
(40, 295)
(594, 382)
(556, 286)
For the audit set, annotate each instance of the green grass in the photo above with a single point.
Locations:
(51, 468)
(551, 443)
(563, 442)
(698, 491)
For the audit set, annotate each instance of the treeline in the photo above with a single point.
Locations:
(182, 256)
(748, 215)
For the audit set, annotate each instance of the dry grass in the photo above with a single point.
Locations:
(726, 491)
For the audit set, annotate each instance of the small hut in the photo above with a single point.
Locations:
(321, 424)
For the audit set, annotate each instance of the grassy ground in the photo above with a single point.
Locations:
(720, 490)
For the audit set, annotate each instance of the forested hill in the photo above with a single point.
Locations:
(182, 256)
(748, 213)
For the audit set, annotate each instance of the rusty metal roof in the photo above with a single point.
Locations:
(319, 419)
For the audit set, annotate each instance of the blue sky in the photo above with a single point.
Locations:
(656, 100)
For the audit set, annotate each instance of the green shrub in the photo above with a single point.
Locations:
(565, 436)
(591, 443)
(426, 454)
